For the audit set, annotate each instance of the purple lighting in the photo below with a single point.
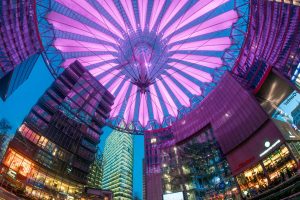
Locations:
(158, 58)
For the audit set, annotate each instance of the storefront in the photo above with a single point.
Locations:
(33, 181)
(274, 169)
(281, 100)
(263, 161)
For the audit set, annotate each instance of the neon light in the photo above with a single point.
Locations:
(269, 149)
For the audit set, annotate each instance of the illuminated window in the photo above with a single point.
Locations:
(25, 168)
(9, 157)
(153, 140)
(16, 162)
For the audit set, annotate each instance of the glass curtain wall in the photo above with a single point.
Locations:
(198, 168)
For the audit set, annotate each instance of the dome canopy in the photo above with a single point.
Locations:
(159, 58)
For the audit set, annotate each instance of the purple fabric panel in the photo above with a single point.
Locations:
(271, 35)
(154, 187)
(248, 153)
(18, 38)
(232, 111)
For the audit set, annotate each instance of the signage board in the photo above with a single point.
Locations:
(173, 196)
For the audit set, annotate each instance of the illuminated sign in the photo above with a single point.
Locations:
(287, 107)
(269, 149)
(12, 173)
(173, 196)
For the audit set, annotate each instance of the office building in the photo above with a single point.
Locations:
(96, 172)
(51, 153)
(118, 165)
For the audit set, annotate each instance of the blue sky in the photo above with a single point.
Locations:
(17, 106)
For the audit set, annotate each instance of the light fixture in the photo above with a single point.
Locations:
(267, 144)
(269, 148)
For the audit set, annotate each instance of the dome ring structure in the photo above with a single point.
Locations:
(159, 58)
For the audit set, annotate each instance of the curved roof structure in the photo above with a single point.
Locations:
(272, 41)
(158, 58)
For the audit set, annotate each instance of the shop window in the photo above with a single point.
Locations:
(9, 157)
(25, 168)
(33, 174)
(279, 165)
(16, 162)
(40, 178)
(252, 180)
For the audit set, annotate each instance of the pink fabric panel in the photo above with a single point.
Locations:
(127, 5)
(102, 68)
(130, 105)
(64, 23)
(116, 84)
(111, 8)
(119, 100)
(157, 110)
(104, 80)
(182, 97)
(189, 85)
(216, 44)
(66, 45)
(168, 101)
(199, 9)
(88, 11)
(196, 73)
(143, 111)
(157, 7)
(143, 12)
(207, 61)
(220, 22)
(172, 10)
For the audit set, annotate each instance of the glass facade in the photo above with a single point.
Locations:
(118, 165)
(276, 168)
(59, 136)
(198, 168)
(38, 183)
(45, 144)
(96, 172)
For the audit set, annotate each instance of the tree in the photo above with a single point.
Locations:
(4, 126)
(4, 137)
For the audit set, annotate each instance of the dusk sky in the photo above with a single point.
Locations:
(17, 106)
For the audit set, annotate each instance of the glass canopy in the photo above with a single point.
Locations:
(159, 58)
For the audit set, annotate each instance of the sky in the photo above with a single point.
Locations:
(17, 106)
